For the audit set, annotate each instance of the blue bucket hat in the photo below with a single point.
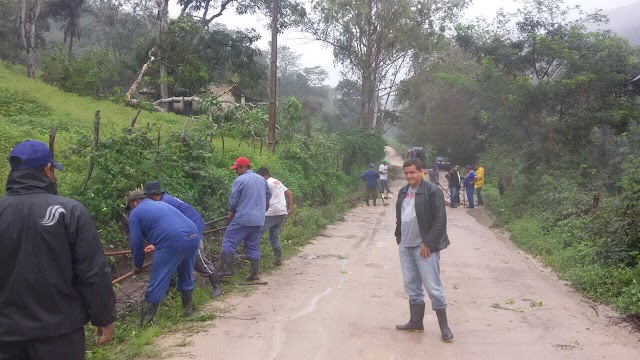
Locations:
(31, 154)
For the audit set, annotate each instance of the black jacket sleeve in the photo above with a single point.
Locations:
(91, 269)
(439, 218)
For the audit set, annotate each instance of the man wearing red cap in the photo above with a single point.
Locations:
(248, 202)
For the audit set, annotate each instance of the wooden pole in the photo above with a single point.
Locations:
(129, 274)
(273, 81)
(52, 140)
(96, 136)
(118, 253)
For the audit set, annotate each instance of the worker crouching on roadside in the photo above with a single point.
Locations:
(203, 265)
(174, 241)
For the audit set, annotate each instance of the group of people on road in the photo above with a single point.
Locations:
(373, 187)
(472, 181)
(55, 277)
(174, 231)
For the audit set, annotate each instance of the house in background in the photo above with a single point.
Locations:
(230, 95)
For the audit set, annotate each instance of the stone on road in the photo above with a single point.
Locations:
(342, 297)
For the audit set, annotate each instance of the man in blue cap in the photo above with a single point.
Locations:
(174, 241)
(370, 177)
(202, 266)
(54, 276)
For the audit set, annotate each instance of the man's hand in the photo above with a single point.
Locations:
(149, 249)
(105, 333)
(230, 216)
(425, 252)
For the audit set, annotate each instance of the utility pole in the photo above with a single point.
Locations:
(273, 81)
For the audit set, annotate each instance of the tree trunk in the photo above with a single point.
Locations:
(162, 20)
(273, 81)
(70, 53)
(28, 16)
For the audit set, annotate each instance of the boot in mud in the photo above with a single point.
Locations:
(255, 269)
(148, 313)
(226, 266)
(277, 253)
(447, 335)
(415, 322)
(216, 284)
(187, 302)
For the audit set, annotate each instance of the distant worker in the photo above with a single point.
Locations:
(203, 265)
(280, 205)
(421, 233)
(469, 181)
(54, 276)
(248, 203)
(434, 175)
(454, 186)
(383, 169)
(174, 241)
(479, 182)
(370, 177)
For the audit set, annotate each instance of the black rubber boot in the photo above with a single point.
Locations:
(277, 253)
(216, 284)
(415, 322)
(187, 302)
(255, 270)
(148, 313)
(226, 266)
(447, 335)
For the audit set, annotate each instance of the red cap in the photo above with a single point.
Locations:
(241, 161)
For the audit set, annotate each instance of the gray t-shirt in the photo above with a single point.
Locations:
(409, 230)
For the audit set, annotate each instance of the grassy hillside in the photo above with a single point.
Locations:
(29, 109)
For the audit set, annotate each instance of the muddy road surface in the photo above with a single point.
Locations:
(342, 296)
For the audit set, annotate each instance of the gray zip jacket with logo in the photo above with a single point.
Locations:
(54, 276)
(430, 213)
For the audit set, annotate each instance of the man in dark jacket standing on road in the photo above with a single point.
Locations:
(203, 266)
(421, 232)
(370, 177)
(454, 186)
(54, 276)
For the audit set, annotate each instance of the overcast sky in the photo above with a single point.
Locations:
(314, 53)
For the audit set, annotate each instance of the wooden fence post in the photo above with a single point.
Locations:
(96, 135)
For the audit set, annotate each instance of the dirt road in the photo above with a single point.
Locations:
(342, 296)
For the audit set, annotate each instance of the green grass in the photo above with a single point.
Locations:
(29, 109)
(572, 257)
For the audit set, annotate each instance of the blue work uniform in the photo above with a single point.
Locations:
(186, 210)
(469, 187)
(176, 239)
(250, 195)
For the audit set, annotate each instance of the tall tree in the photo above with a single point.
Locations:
(162, 20)
(371, 37)
(29, 13)
(69, 12)
(290, 12)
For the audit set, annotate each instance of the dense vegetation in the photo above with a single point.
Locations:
(549, 109)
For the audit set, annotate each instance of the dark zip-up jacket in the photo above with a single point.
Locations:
(430, 213)
(54, 276)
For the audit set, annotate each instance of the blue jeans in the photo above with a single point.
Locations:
(180, 256)
(469, 190)
(418, 272)
(236, 233)
(453, 196)
(274, 224)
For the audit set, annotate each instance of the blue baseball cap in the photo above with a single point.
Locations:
(371, 165)
(31, 154)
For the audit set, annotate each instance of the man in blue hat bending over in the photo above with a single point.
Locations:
(203, 266)
(174, 241)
